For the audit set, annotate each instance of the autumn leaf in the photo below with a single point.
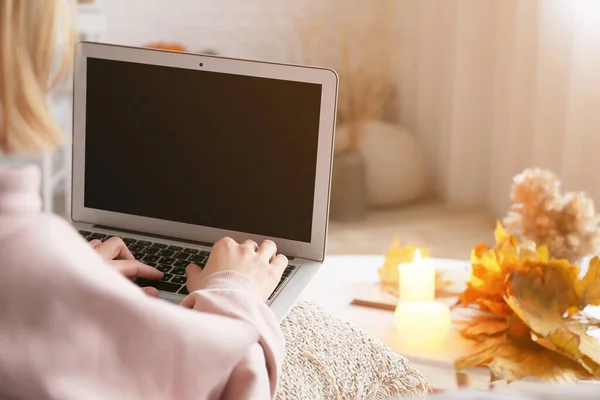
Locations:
(541, 319)
(543, 253)
(500, 234)
(515, 363)
(565, 343)
(397, 254)
(589, 340)
(568, 344)
(481, 357)
(541, 300)
(588, 288)
(537, 302)
(518, 332)
(558, 280)
(488, 275)
(484, 326)
(470, 295)
(497, 307)
(510, 362)
(492, 266)
(502, 237)
(560, 341)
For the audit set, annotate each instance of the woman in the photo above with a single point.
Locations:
(72, 325)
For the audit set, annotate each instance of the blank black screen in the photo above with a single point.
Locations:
(203, 148)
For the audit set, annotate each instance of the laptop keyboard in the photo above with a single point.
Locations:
(172, 261)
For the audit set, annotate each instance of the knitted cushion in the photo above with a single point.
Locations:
(327, 358)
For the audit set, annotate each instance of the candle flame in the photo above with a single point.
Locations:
(417, 256)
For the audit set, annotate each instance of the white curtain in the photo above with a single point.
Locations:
(494, 86)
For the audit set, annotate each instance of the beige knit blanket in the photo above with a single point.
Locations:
(327, 358)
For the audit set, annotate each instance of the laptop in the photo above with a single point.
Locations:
(173, 151)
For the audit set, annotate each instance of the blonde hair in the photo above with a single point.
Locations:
(28, 41)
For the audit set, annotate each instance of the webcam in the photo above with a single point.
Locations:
(201, 64)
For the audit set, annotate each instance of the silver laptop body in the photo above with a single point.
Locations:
(173, 151)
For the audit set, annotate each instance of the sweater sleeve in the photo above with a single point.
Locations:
(74, 328)
(232, 295)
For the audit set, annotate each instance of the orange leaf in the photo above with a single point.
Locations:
(588, 288)
(498, 308)
(484, 326)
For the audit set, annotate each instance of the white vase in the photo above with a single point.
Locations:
(396, 170)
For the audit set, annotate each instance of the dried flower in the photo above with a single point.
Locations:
(354, 37)
(567, 224)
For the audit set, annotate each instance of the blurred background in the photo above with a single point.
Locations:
(441, 102)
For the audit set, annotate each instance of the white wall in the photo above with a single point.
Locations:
(228, 26)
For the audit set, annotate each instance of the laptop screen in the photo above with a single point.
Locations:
(203, 148)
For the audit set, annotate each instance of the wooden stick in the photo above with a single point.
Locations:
(441, 294)
(388, 306)
(373, 304)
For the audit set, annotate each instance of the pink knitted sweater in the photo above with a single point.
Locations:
(71, 327)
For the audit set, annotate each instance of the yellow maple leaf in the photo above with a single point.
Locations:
(543, 302)
(517, 363)
(483, 326)
(561, 341)
(589, 345)
(500, 234)
(492, 266)
(543, 253)
(509, 361)
(496, 306)
(546, 293)
(545, 326)
(588, 288)
(397, 254)
(482, 357)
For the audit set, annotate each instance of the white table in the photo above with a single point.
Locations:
(342, 278)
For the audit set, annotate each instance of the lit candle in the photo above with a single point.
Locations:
(422, 324)
(421, 321)
(417, 279)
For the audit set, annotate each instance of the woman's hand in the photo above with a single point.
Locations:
(261, 264)
(115, 251)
